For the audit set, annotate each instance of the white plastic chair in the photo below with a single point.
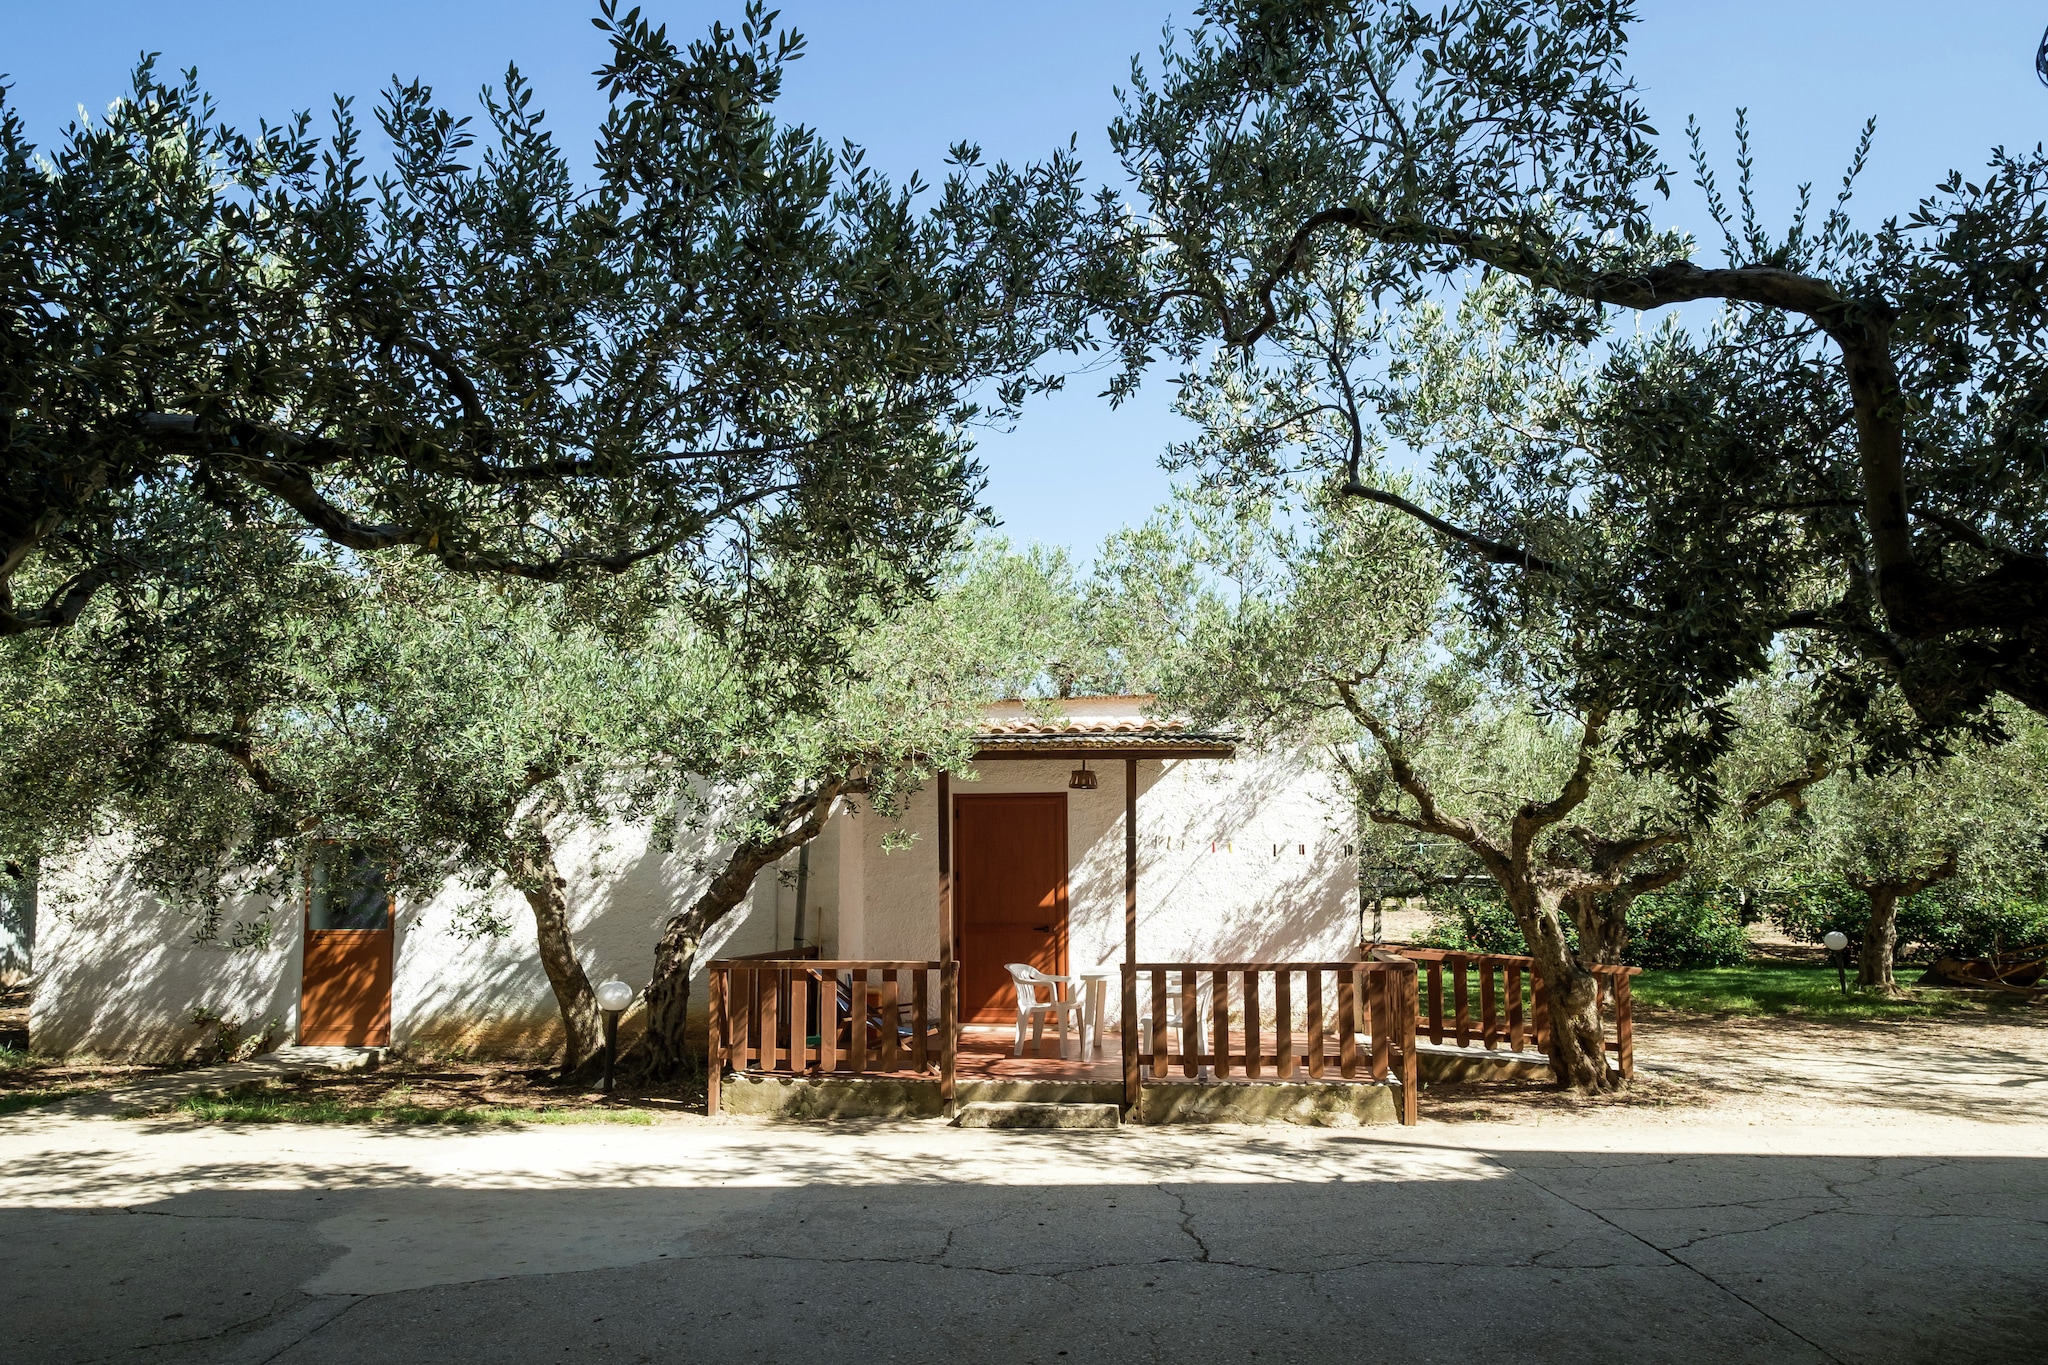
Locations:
(1173, 1022)
(1028, 980)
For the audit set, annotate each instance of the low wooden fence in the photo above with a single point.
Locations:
(796, 1015)
(793, 1016)
(1502, 1022)
(1352, 1021)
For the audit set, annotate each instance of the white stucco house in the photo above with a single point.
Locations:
(1238, 854)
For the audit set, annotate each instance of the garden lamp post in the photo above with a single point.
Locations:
(1835, 941)
(612, 997)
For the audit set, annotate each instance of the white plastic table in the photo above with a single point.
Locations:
(1095, 990)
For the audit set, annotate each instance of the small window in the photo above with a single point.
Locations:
(347, 887)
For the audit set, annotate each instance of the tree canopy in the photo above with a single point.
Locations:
(735, 335)
(1973, 817)
(1850, 452)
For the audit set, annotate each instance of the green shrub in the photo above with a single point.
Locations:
(1953, 917)
(1809, 910)
(1470, 921)
(1680, 929)
(1665, 929)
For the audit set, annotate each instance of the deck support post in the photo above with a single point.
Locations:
(949, 967)
(714, 1040)
(1130, 983)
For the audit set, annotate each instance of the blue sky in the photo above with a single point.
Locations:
(907, 78)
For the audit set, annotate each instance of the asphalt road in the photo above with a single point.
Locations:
(1595, 1240)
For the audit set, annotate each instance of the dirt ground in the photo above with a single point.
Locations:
(1773, 1070)
(1689, 1069)
(416, 1085)
(442, 1085)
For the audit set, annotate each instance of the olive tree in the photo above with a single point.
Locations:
(1336, 627)
(738, 372)
(1850, 453)
(223, 725)
(224, 729)
(734, 333)
(1974, 816)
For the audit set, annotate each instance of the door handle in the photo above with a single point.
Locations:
(1041, 928)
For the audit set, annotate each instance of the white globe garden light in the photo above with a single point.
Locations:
(612, 996)
(1834, 940)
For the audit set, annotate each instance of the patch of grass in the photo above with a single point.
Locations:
(1798, 989)
(14, 1059)
(14, 1101)
(261, 1107)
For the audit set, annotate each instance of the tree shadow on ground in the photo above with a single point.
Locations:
(893, 1241)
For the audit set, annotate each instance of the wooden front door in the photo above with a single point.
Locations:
(1010, 887)
(345, 984)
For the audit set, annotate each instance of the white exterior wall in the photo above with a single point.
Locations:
(119, 976)
(1239, 859)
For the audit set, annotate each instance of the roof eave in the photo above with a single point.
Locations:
(1083, 745)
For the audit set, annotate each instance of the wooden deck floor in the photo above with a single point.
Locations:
(984, 1055)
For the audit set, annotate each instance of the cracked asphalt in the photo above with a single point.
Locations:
(1581, 1237)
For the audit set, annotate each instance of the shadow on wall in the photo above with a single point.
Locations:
(489, 996)
(1238, 861)
(119, 974)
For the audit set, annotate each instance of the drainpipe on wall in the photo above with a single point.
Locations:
(803, 886)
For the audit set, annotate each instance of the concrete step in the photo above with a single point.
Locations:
(299, 1057)
(1035, 1114)
(1038, 1090)
(1448, 1062)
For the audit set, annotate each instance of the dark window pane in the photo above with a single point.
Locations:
(347, 889)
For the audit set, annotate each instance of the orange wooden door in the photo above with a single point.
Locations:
(345, 992)
(1010, 870)
(345, 982)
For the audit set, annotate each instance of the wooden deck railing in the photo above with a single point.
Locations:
(801, 1016)
(776, 955)
(1502, 1018)
(1271, 1020)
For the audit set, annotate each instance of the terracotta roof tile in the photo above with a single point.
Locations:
(1087, 725)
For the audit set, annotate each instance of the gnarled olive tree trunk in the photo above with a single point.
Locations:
(1598, 883)
(1534, 896)
(530, 866)
(1881, 928)
(664, 1050)
(1571, 995)
(1602, 925)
